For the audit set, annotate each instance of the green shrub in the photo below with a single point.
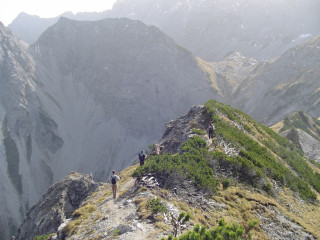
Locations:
(156, 206)
(43, 237)
(267, 187)
(116, 232)
(225, 183)
(198, 131)
(222, 231)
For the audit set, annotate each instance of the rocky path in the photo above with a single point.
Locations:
(117, 218)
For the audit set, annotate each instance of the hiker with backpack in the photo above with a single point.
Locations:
(141, 157)
(211, 128)
(113, 179)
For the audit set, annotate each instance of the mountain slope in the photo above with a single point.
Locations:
(303, 131)
(283, 86)
(87, 97)
(224, 177)
(229, 73)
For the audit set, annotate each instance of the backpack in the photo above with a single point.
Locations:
(113, 179)
(211, 127)
(141, 156)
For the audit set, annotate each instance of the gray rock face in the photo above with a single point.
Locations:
(19, 116)
(56, 205)
(86, 97)
(229, 73)
(284, 86)
(308, 144)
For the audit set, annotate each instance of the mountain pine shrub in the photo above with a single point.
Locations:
(223, 231)
(256, 159)
(43, 237)
(192, 163)
(156, 206)
(198, 131)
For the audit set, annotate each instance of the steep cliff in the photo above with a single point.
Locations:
(25, 175)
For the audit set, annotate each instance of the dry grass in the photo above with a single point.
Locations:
(183, 206)
(277, 127)
(242, 206)
(71, 227)
(303, 213)
(164, 193)
(83, 216)
(141, 203)
(207, 69)
(126, 174)
(163, 226)
(84, 211)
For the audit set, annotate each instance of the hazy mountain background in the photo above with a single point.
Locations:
(271, 90)
(211, 29)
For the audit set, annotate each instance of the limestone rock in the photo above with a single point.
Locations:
(56, 205)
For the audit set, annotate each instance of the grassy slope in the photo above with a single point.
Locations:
(263, 155)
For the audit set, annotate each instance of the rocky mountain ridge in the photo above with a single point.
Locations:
(57, 205)
(281, 213)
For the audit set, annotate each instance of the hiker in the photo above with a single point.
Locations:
(142, 157)
(114, 178)
(211, 128)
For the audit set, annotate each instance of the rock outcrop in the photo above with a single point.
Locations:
(303, 131)
(57, 205)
